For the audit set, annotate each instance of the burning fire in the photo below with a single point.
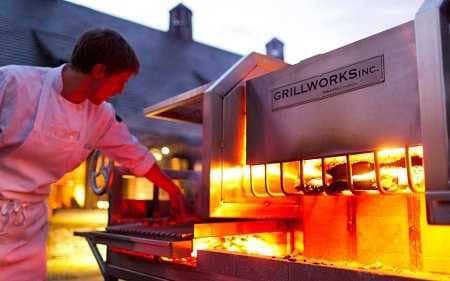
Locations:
(264, 244)
(388, 170)
(393, 169)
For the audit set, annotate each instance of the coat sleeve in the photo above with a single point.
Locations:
(119, 144)
(4, 87)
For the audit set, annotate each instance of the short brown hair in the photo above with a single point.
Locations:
(103, 46)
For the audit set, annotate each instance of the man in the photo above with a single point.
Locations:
(50, 120)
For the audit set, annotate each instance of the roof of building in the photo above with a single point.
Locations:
(43, 32)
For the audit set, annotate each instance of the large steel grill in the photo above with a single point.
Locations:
(335, 168)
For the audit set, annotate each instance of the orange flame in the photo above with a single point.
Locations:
(258, 244)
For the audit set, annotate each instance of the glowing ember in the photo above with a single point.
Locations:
(264, 245)
(312, 175)
(394, 178)
(370, 176)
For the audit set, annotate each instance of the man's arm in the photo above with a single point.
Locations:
(117, 143)
(160, 179)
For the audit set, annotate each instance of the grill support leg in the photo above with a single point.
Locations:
(98, 257)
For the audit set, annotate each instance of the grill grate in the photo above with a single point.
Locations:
(170, 232)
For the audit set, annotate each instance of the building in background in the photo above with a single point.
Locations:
(43, 32)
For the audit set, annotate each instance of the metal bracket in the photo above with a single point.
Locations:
(98, 257)
(438, 207)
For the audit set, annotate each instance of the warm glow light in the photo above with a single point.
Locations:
(291, 176)
(312, 168)
(157, 154)
(336, 170)
(79, 194)
(273, 179)
(263, 244)
(231, 174)
(258, 171)
(103, 204)
(165, 150)
(216, 175)
(393, 178)
(416, 151)
(274, 169)
(391, 154)
(417, 170)
(258, 175)
(312, 173)
(347, 192)
(370, 176)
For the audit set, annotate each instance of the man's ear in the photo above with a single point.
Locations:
(98, 71)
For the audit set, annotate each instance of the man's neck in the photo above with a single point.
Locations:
(75, 85)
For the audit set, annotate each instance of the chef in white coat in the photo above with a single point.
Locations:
(50, 120)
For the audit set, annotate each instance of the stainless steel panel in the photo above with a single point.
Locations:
(433, 55)
(164, 248)
(379, 115)
(186, 107)
(223, 130)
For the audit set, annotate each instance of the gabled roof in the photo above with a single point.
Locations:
(43, 32)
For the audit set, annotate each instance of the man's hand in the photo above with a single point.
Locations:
(177, 202)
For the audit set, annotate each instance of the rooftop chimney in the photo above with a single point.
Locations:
(275, 48)
(180, 25)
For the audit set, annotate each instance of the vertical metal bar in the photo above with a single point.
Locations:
(252, 188)
(265, 180)
(351, 225)
(408, 164)
(302, 181)
(377, 173)
(282, 181)
(415, 244)
(273, 194)
(324, 186)
(98, 257)
(349, 174)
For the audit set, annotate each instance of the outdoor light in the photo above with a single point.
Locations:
(156, 153)
(103, 205)
(165, 150)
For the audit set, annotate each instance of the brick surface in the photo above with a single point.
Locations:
(215, 262)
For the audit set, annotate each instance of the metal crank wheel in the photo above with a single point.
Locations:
(100, 172)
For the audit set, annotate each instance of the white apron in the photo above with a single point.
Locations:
(25, 174)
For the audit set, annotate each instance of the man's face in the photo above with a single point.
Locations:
(108, 86)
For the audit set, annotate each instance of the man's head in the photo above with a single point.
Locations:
(107, 59)
(104, 46)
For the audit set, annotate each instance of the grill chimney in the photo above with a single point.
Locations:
(275, 48)
(180, 25)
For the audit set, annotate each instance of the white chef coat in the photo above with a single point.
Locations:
(43, 136)
(83, 126)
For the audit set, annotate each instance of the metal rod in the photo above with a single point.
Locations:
(282, 182)
(273, 194)
(377, 173)
(408, 164)
(98, 257)
(302, 180)
(324, 186)
(349, 174)
(252, 188)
